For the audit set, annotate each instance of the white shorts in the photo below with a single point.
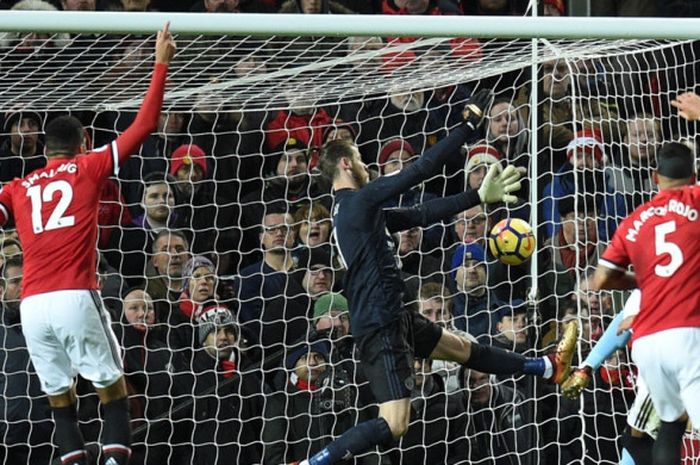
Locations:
(642, 415)
(669, 362)
(68, 332)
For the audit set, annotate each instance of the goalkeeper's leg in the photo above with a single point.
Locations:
(116, 438)
(553, 367)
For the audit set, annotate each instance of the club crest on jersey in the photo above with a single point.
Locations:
(69, 167)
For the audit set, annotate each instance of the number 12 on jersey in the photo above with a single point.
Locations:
(56, 219)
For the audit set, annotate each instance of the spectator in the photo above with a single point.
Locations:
(331, 317)
(78, 5)
(303, 123)
(436, 304)
(314, 7)
(155, 372)
(287, 181)
(309, 411)
(10, 247)
(511, 328)
(315, 271)
(632, 170)
(23, 151)
(312, 227)
(228, 399)
(575, 249)
(506, 131)
(164, 271)
(33, 45)
(479, 158)
(273, 306)
(25, 417)
(340, 129)
(497, 429)
(436, 429)
(205, 218)
(475, 304)
(583, 173)
(493, 7)
(419, 7)
(230, 6)
(554, 8)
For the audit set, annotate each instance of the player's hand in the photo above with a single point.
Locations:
(165, 45)
(473, 112)
(497, 185)
(577, 381)
(688, 105)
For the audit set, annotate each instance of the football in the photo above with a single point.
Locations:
(511, 241)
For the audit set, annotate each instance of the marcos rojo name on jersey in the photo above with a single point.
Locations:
(673, 206)
(69, 167)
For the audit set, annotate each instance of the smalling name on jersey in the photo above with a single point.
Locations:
(673, 206)
(69, 167)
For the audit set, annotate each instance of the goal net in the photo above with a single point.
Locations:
(221, 221)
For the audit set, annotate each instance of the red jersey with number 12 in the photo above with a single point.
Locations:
(55, 208)
(661, 239)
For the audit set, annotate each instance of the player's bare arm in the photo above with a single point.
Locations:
(688, 105)
(608, 278)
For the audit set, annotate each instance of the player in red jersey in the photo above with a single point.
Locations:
(661, 240)
(66, 327)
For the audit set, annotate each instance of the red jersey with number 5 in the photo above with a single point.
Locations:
(661, 240)
(55, 208)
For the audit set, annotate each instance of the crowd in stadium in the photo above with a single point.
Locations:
(225, 291)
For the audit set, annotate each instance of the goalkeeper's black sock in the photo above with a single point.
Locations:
(356, 440)
(667, 448)
(489, 359)
(68, 437)
(116, 439)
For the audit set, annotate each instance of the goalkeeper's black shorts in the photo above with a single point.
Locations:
(387, 354)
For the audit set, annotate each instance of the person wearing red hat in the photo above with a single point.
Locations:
(479, 158)
(583, 173)
(394, 155)
(188, 165)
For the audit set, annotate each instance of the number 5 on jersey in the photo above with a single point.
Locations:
(56, 219)
(663, 246)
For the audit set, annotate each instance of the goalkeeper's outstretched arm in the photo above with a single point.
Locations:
(382, 189)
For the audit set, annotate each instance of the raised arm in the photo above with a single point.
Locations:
(385, 188)
(496, 187)
(147, 118)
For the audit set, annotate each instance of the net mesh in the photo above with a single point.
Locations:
(260, 109)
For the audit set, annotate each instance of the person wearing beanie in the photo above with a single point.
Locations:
(331, 315)
(198, 286)
(188, 163)
(340, 129)
(475, 304)
(228, 395)
(315, 269)
(583, 172)
(478, 160)
(395, 155)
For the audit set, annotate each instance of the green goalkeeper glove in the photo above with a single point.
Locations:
(497, 186)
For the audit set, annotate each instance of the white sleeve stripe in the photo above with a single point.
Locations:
(611, 265)
(115, 158)
(5, 212)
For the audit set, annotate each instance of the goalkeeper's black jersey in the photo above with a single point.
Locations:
(362, 231)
